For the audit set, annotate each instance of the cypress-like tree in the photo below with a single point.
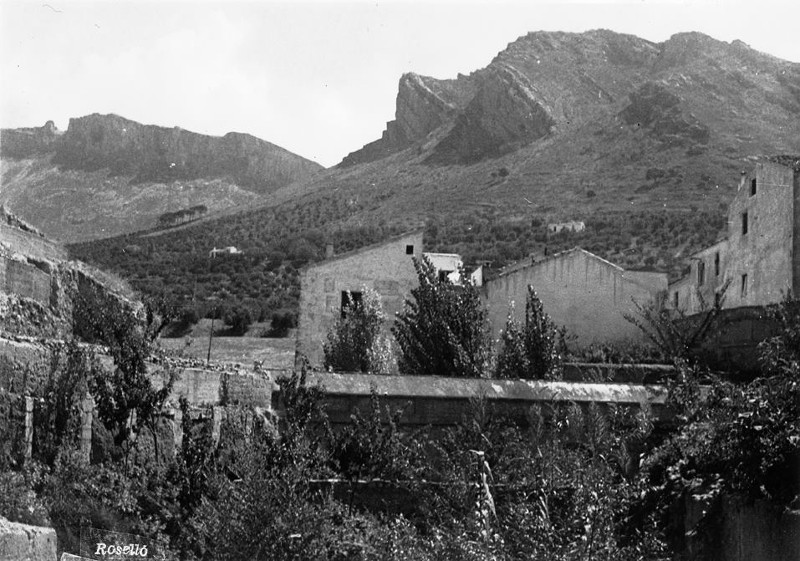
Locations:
(354, 343)
(531, 350)
(443, 328)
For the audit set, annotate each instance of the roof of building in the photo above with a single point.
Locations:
(530, 262)
(364, 249)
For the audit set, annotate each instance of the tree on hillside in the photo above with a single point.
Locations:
(355, 343)
(531, 349)
(443, 328)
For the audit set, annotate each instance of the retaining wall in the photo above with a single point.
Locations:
(21, 542)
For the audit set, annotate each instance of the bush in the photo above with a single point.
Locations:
(239, 319)
(534, 349)
(443, 329)
(355, 343)
(281, 322)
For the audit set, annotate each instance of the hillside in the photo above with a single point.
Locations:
(565, 125)
(643, 141)
(107, 175)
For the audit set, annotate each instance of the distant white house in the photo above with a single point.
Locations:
(230, 250)
(572, 226)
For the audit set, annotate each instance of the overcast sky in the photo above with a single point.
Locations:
(318, 78)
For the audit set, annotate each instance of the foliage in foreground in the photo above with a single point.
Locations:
(443, 329)
(355, 343)
(532, 349)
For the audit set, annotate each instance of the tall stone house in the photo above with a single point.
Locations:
(757, 262)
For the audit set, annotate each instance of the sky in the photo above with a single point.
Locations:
(317, 78)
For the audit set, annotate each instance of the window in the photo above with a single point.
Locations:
(409, 250)
(701, 273)
(744, 224)
(443, 275)
(349, 300)
(744, 286)
(716, 264)
(752, 186)
(675, 300)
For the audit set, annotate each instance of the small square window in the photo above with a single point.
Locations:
(744, 223)
(409, 250)
(744, 286)
(752, 187)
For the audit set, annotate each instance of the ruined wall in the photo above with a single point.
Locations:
(386, 268)
(764, 253)
(580, 291)
(30, 244)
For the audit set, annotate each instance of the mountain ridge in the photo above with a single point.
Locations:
(107, 175)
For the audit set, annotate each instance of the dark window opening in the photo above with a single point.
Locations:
(744, 224)
(443, 275)
(717, 299)
(744, 286)
(409, 250)
(752, 187)
(716, 264)
(701, 273)
(350, 300)
(675, 300)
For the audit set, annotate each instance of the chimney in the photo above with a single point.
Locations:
(329, 251)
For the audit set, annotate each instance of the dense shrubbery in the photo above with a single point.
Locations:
(355, 343)
(278, 241)
(443, 328)
(533, 349)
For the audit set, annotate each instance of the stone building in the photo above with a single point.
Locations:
(579, 290)
(758, 262)
(571, 226)
(387, 268)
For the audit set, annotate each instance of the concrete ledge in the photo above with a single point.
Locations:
(21, 542)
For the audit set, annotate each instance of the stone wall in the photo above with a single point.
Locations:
(742, 531)
(764, 253)
(580, 291)
(25, 280)
(387, 268)
(31, 244)
(21, 542)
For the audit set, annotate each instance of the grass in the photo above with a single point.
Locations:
(271, 352)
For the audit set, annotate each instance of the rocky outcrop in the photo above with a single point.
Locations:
(559, 83)
(29, 142)
(160, 154)
(504, 114)
(423, 105)
(659, 111)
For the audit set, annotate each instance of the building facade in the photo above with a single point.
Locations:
(580, 291)
(758, 262)
(325, 287)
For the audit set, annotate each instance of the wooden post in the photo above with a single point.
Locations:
(177, 430)
(217, 413)
(28, 448)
